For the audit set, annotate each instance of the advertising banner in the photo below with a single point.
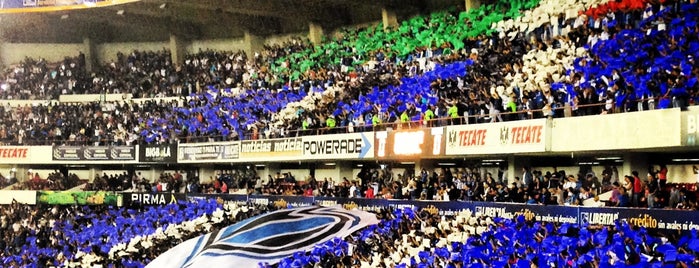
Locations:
(279, 201)
(235, 198)
(77, 198)
(690, 127)
(14, 153)
(24, 6)
(158, 153)
(339, 146)
(415, 143)
(620, 131)
(497, 138)
(94, 153)
(151, 199)
(208, 152)
(20, 196)
(352, 203)
(662, 219)
(272, 149)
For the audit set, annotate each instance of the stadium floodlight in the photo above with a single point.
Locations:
(685, 159)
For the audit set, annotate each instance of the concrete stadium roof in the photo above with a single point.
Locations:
(154, 20)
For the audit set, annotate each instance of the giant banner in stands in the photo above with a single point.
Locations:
(409, 143)
(339, 146)
(94, 153)
(497, 138)
(208, 152)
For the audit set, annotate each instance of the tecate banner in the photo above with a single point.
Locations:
(497, 138)
(339, 146)
(208, 152)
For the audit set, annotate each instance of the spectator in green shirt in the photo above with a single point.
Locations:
(330, 124)
(428, 116)
(453, 113)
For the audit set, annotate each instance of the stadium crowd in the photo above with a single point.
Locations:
(71, 236)
(628, 56)
(466, 184)
(431, 69)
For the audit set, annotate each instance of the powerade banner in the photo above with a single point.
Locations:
(272, 149)
(21, 6)
(339, 146)
(94, 153)
(151, 199)
(77, 198)
(507, 137)
(159, 153)
(208, 152)
(411, 144)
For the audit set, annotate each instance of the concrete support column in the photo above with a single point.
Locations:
(471, 4)
(2, 43)
(89, 52)
(389, 18)
(95, 171)
(345, 170)
(634, 162)
(515, 166)
(177, 49)
(253, 43)
(270, 169)
(315, 33)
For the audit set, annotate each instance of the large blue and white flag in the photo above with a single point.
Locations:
(266, 238)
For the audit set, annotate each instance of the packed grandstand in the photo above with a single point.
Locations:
(503, 61)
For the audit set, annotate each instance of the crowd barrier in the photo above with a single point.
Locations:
(402, 143)
(661, 219)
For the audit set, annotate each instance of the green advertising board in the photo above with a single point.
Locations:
(77, 198)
